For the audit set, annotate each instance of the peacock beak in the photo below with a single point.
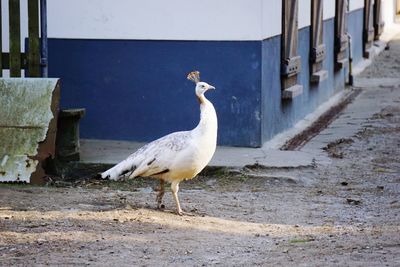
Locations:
(211, 87)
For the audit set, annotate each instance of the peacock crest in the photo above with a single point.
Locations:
(194, 76)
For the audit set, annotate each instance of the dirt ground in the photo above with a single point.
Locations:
(343, 214)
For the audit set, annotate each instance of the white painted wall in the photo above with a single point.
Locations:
(155, 19)
(388, 12)
(355, 4)
(329, 9)
(304, 13)
(167, 20)
(271, 19)
(272, 15)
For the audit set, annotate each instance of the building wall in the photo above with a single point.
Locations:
(355, 29)
(155, 19)
(281, 115)
(137, 89)
(390, 8)
(126, 64)
(170, 20)
(356, 4)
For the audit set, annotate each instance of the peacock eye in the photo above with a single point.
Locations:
(203, 86)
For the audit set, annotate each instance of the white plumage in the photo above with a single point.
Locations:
(177, 156)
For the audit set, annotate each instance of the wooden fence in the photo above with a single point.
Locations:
(15, 60)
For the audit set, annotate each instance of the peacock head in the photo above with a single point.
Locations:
(201, 87)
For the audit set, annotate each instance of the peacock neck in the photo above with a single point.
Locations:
(208, 118)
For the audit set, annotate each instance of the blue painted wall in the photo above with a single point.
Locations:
(137, 90)
(281, 115)
(355, 28)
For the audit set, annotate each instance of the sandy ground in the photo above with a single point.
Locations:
(343, 214)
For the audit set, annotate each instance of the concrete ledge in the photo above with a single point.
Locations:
(361, 66)
(280, 139)
(100, 155)
(292, 92)
(369, 53)
(319, 76)
(343, 63)
(110, 152)
(379, 46)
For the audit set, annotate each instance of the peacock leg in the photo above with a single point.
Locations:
(160, 195)
(175, 189)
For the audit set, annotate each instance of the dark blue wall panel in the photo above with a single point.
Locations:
(137, 90)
